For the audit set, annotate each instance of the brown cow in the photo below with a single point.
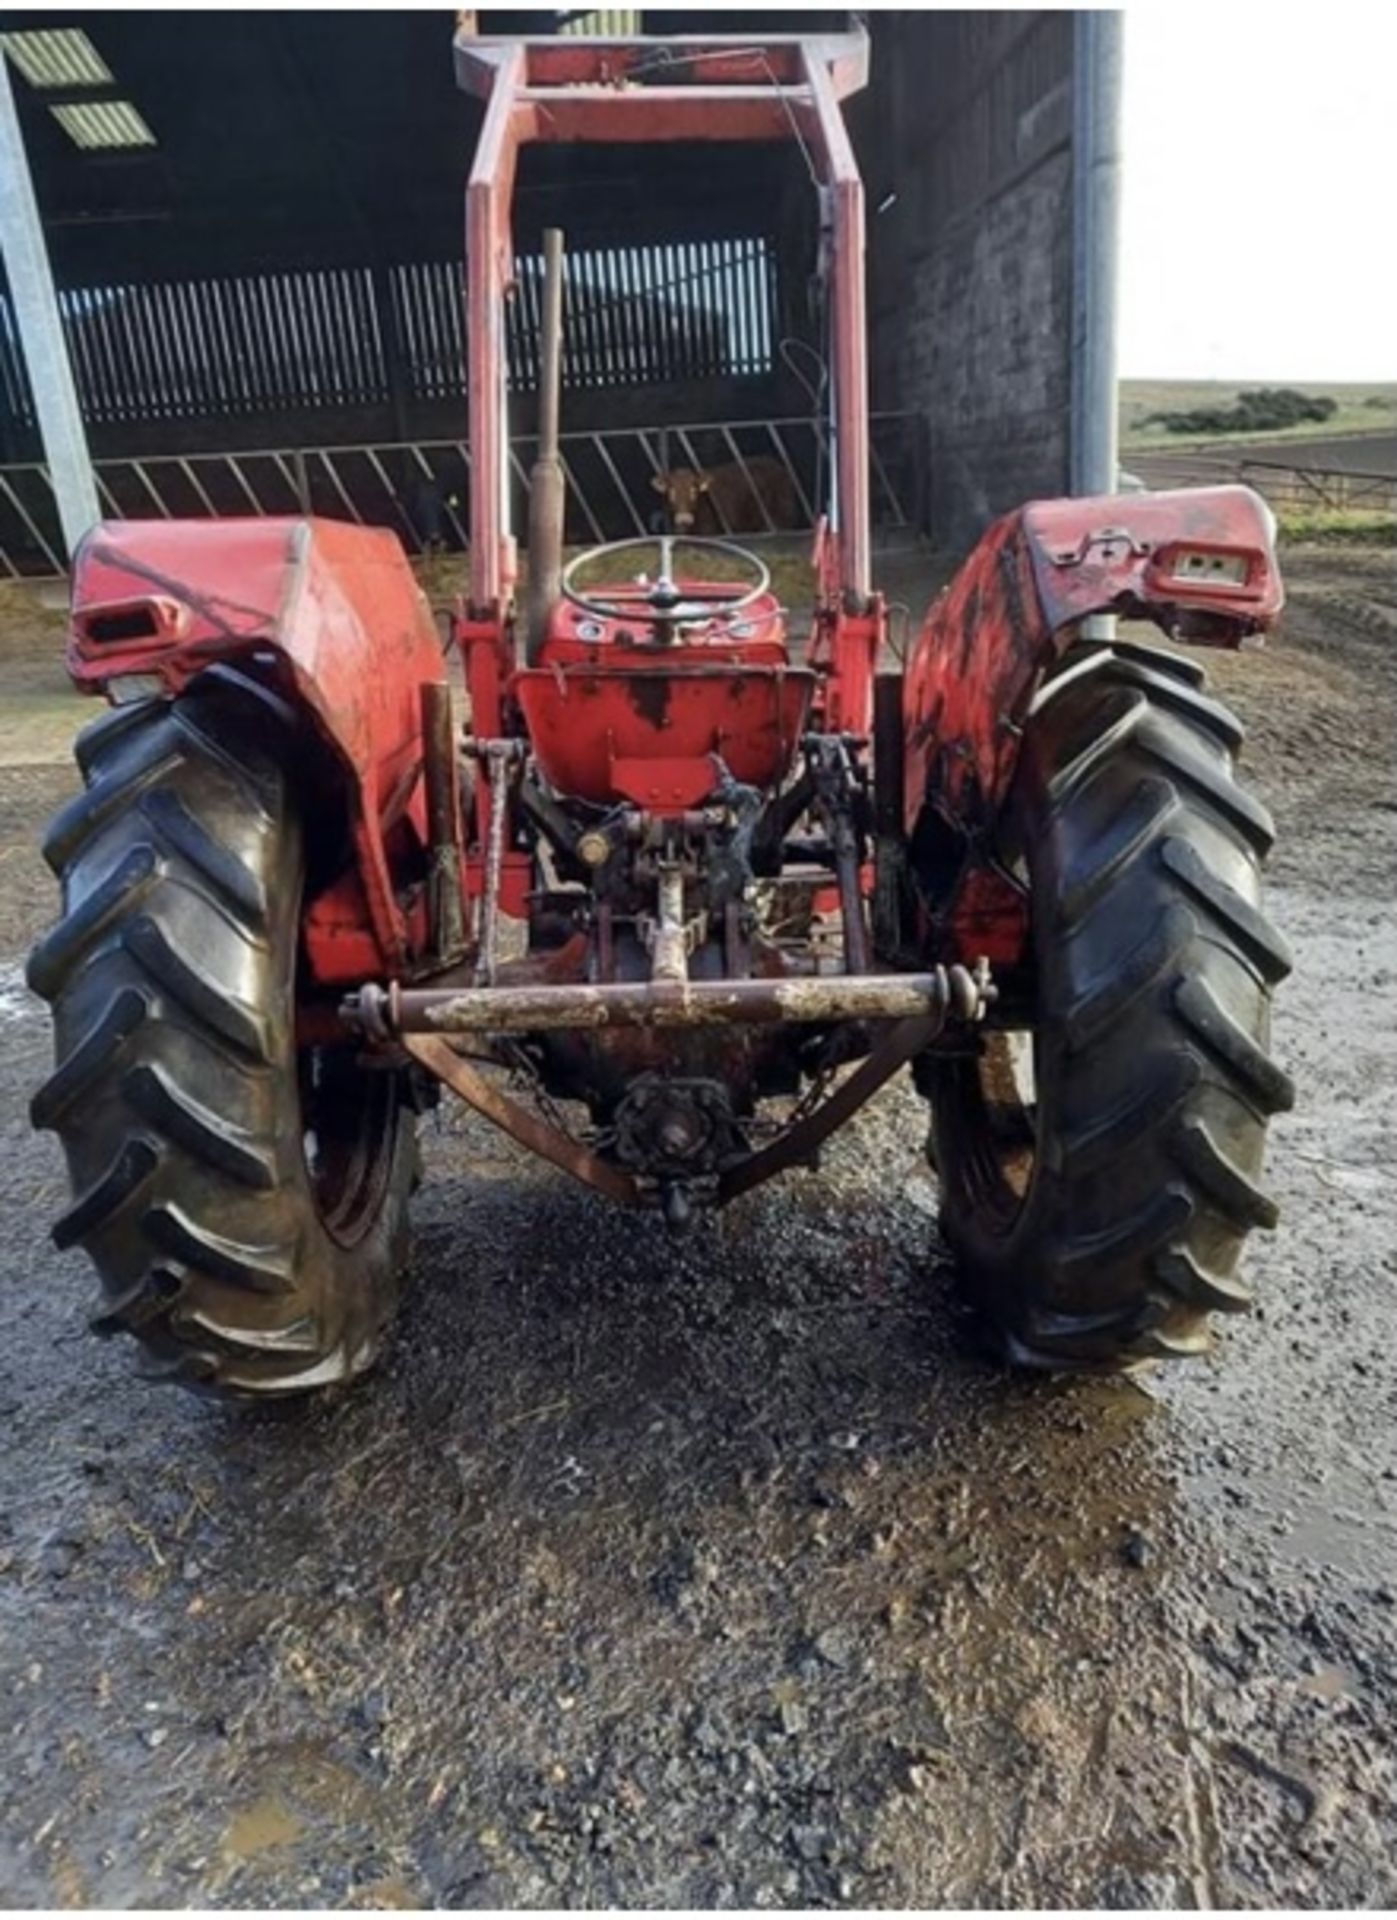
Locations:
(705, 500)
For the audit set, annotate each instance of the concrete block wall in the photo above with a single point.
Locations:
(965, 133)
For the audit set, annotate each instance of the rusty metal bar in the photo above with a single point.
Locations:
(799, 1142)
(835, 796)
(446, 908)
(531, 1130)
(384, 1013)
(847, 874)
(494, 756)
(669, 957)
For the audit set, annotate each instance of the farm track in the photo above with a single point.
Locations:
(1207, 462)
(729, 1574)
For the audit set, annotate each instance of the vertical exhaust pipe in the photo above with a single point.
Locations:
(547, 498)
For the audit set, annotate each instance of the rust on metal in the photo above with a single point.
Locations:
(802, 1000)
(800, 1141)
(446, 905)
(495, 757)
(531, 1130)
(669, 958)
(330, 617)
(1009, 613)
(775, 89)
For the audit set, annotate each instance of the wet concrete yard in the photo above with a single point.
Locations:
(730, 1572)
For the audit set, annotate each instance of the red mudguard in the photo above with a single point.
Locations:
(1199, 563)
(330, 617)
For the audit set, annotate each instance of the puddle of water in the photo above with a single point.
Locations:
(262, 1827)
(1328, 1683)
(390, 1895)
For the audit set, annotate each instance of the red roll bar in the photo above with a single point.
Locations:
(720, 87)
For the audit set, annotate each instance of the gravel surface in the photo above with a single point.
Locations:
(731, 1574)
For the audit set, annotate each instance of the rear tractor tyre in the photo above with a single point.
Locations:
(245, 1204)
(1098, 1183)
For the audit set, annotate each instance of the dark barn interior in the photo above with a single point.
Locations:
(271, 265)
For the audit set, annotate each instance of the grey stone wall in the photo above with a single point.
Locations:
(965, 133)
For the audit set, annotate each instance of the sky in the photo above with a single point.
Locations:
(1259, 188)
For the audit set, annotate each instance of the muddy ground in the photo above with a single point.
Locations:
(732, 1574)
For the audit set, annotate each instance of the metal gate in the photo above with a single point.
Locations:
(422, 488)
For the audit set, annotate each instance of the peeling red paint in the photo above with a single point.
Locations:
(1014, 607)
(327, 615)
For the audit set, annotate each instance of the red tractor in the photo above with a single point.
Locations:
(706, 880)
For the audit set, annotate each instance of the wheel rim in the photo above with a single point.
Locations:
(349, 1128)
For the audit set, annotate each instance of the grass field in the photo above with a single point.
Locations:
(1361, 408)
(1353, 528)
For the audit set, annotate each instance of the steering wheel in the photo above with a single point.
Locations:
(662, 598)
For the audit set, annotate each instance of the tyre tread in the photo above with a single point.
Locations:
(174, 1090)
(1156, 965)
